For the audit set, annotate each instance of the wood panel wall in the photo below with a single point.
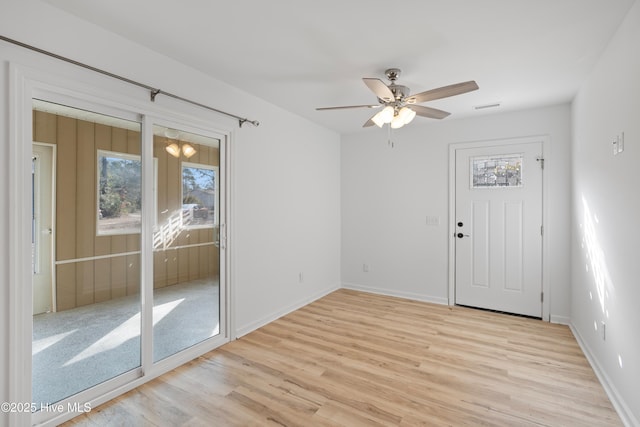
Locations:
(87, 282)
(176, 264)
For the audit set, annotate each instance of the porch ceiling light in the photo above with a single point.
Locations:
(188, 150)
(173, 149)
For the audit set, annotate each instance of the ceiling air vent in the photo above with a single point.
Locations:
(482, 107)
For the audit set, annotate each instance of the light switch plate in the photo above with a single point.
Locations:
(433, 220)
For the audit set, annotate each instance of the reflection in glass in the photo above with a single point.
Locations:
(496, 171)
(199, 194)
(88, 331)
(119, 193)
(186, 257)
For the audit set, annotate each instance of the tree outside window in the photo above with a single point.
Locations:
(199, 194)
(119, 193)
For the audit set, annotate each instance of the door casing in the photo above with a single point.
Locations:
(544, 139)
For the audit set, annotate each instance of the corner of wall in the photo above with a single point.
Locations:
(616, 399)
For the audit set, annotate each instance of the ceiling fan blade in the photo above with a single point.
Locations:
(432, 113)
(443, 92)
(378, 87)
(347, 106)
(369, 122)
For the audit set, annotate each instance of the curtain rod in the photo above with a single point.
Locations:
(153, 91)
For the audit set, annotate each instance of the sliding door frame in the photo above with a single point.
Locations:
(162, 366)
(26, 83)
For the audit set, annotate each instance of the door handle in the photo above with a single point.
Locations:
(460, 235)
(222, 238)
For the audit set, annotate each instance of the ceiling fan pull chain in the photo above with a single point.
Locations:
(389, 141)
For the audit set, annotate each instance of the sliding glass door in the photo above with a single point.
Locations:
(127, 237)
(186, 248)
(86, 226)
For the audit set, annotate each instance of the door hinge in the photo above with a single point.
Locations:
(541, 161)
(541, 296)
(542, 230)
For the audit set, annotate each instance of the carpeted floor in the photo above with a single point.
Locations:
(76, 349)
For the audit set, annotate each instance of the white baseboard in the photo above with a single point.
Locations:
(618, 402)
(560, 320)
(284, 311)
(394, 293)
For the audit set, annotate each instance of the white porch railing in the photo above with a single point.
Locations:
(168, 232)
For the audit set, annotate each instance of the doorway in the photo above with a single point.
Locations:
(497, 227)
(42, 227)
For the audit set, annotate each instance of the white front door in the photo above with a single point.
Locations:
(498, 228)
(42, 227)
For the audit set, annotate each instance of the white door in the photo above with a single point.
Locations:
(498, 228)
(42, 228)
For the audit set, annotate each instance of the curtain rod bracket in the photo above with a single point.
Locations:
(154, 93)
(243, 121)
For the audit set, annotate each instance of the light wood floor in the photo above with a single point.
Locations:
(357, 359)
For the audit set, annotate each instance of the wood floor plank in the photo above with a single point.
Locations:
(359, 359)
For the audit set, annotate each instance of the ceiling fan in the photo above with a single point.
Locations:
(400, 107)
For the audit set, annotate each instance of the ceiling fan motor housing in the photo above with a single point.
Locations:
(399, 91)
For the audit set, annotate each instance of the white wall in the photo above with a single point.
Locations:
(606, 208)
(285, 173)
(287, 195)
(387, 193)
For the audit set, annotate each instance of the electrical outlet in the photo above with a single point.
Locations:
(618, 144)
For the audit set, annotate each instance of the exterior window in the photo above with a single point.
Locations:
(496, 171)
(119, 193)
(199, 195)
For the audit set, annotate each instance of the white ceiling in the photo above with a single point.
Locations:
(300, 54)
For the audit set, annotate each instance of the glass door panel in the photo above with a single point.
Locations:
(186, 260)
(86, 237)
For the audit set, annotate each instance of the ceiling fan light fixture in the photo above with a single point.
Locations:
(406, 114)
(384, 116)
(377, 120)
(396, 124)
